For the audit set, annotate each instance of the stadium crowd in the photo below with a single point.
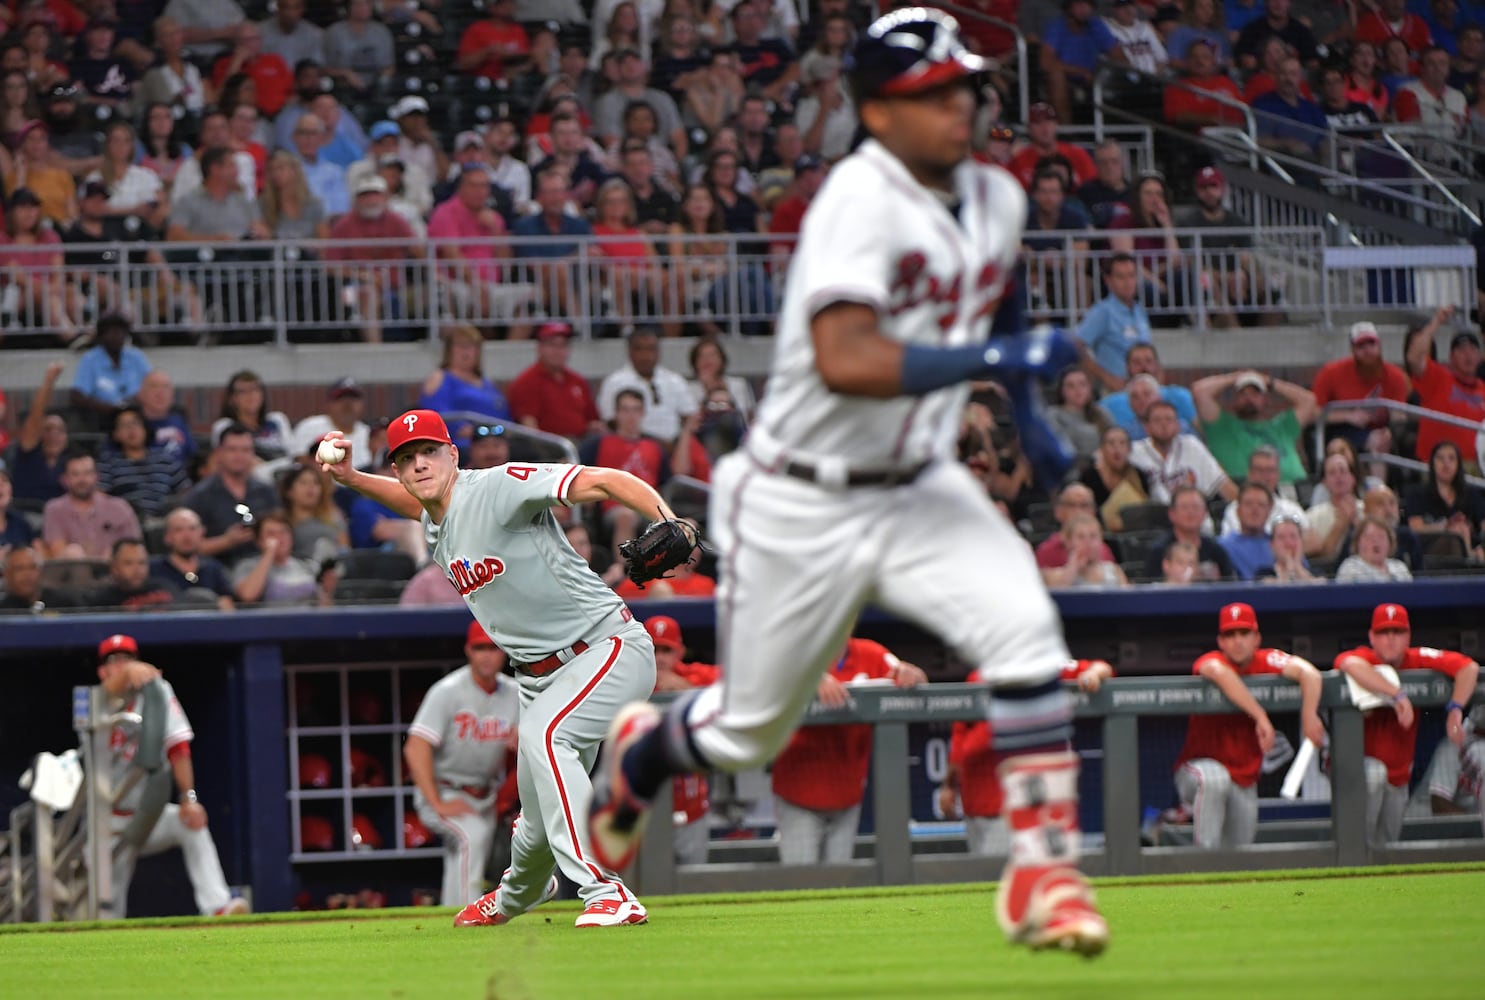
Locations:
(660, 130)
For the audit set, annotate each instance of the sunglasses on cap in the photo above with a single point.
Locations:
(489, 431)
(1002, 133)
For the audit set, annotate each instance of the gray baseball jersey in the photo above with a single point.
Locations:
(123, 744)
(504, 552)
(469, 728)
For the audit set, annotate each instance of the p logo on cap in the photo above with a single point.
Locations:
(118, 643)
(416, 425)
(1390, 618)
(1237, 618)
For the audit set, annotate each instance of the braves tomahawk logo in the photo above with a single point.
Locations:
(469, 575)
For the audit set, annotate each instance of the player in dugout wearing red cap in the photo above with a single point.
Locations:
(1217, 771)
(1391, 727)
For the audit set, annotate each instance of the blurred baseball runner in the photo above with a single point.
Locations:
(847, 490)
(122, 674)
(578, 653)
(456, 750)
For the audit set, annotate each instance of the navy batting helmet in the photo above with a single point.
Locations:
(908, 51)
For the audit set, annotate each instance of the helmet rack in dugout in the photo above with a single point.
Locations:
(349, 792)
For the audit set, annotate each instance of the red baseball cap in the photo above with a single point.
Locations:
(119, 643)
(1210, 175)
(1390, 618)
(416, 425)
(1236, 617)
(478, 636)
(665, 632)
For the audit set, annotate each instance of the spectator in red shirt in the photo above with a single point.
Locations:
(272, 75)
(1363, 375)
(1456, 389)
(1186, 108)
(1266, 80)
(971, 786)
(381, 236)
(1075, 498)
(625, 447)
(820, 777)
(551, 396)
(788, 214)
(1392, 20)
(1217, 770)
(1041, 130)
(496, 47)
(1391, 733)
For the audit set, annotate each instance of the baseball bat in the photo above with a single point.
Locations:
(1297, 770)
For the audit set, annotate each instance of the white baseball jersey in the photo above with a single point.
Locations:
(874, 235)
(504, 552)
(1189, 463)
(469, 728)
(123, 745)
(1141, 45)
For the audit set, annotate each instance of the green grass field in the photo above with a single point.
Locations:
(1393, 933)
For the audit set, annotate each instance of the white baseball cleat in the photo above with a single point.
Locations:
(612, 913)
(616, 817)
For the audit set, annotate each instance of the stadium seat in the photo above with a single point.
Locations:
(1445, 544)
(374, 564)
(1134, 546)
(367, 591)
(73, 574)
(1144, 517)
(1442, 565)
(1041, 517)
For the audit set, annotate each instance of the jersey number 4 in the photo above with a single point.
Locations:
(521, 472)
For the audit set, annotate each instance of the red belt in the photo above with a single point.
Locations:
(545, 666)
(473, 791)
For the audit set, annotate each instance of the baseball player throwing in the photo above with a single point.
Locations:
(848, 492)
(1217, 770)
(1392, 731)
(578, 653)
(456, 752)
(122, 674)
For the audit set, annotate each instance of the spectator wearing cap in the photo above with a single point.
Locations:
(374, 241)
(419, 145)
(549, 395)
(231, 500)
(173, 80)
(469, 154)
(109, 374)
(1114, 325)
(459, 385)
(344, 407)
(84, 522)
(1137, 38)
(217, 211)
(290, 37)
(495, 47)
(107, 77)
(1073, 47)
(210, 25)
(1205, 95)
(488, 447)
(1229, 270)
(386, 142)
(787, 217)
(359, 49)
(1361, 375)
(72, 135)
(33, 267)
(1041, 131)
(826, 115)
(767, 65)
(34, 170)
(1233, 433)
(1288, 121)
(1276, 22)
(655, 207)
(633, 85)
(1455, 388)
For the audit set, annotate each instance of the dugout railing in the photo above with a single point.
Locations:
(1119, 706)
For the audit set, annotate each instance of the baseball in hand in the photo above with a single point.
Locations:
(330, 453)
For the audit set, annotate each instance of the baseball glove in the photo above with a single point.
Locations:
(664, 546)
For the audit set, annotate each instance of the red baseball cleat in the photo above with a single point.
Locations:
(484, 912)
(612, 913)
(616, 818)
(1043, 901)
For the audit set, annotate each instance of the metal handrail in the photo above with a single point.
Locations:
(1433, 181)
(1405, 409)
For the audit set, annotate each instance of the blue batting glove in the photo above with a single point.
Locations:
(1041, 352)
